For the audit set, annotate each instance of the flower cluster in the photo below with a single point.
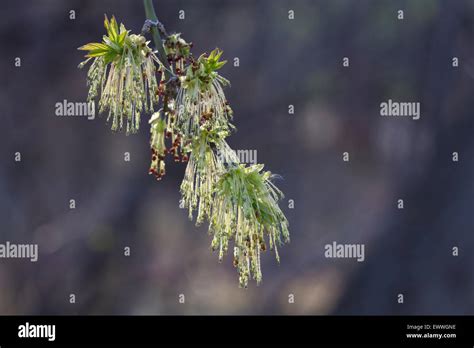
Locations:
(123, 72)
(201, 100)
(177, 51)
(202, 173)
(157, 144)
(240, 202)
(162, 126)
(245, 209)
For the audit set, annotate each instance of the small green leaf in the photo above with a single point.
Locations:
(93, 46)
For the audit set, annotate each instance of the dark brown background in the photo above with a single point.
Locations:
(282, 62)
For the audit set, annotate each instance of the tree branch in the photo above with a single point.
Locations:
(155, 26)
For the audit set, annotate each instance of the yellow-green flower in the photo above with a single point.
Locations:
(202, 173)
(240, 202)
(157, 145)
(245, 210)
(176, 47)
(201, 100)
(123, 74)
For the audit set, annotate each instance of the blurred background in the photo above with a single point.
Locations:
(282, 62)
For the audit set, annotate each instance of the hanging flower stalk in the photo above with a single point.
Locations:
(157, 144)
(240, 202)
(245, 209)
(201, 100)
(204, 169)
(123, 73)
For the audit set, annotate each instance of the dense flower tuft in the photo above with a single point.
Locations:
(202, 173)
(201, 100)
(245, 209)
(194, 118)
(123, 74)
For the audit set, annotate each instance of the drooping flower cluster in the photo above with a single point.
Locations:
(240, 202)
(201, 100)
(157, 144)
(202, 173)
(245, 209)
(123, 72)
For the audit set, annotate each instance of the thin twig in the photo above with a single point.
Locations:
(156, 27)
